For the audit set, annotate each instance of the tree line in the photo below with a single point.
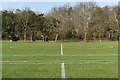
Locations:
(83, 21)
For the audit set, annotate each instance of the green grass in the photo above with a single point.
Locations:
(43, 60)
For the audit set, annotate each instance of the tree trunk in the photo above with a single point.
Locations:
(118, 37)
(24, 36)
(56, 37)
(45, 38)
(94, 36)
(100, 37)
(85, 37)
(42, 37)
(109, 36)
(112, 36)
(31, 38)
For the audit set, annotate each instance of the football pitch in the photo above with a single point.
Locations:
(60, 59)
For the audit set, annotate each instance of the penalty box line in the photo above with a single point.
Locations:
(62, 65)
(63, 71)
(61, 49)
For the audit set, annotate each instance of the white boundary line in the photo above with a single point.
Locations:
(61, 49)
(63, 71)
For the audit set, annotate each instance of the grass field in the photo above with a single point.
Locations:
(43, 60)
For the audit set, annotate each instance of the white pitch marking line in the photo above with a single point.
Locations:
(61, 49)
(63, 71)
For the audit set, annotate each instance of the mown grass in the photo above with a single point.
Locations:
(43, 60)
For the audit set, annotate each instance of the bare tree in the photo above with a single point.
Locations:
(86, 10)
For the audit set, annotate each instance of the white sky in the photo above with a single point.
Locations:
(57, 0)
